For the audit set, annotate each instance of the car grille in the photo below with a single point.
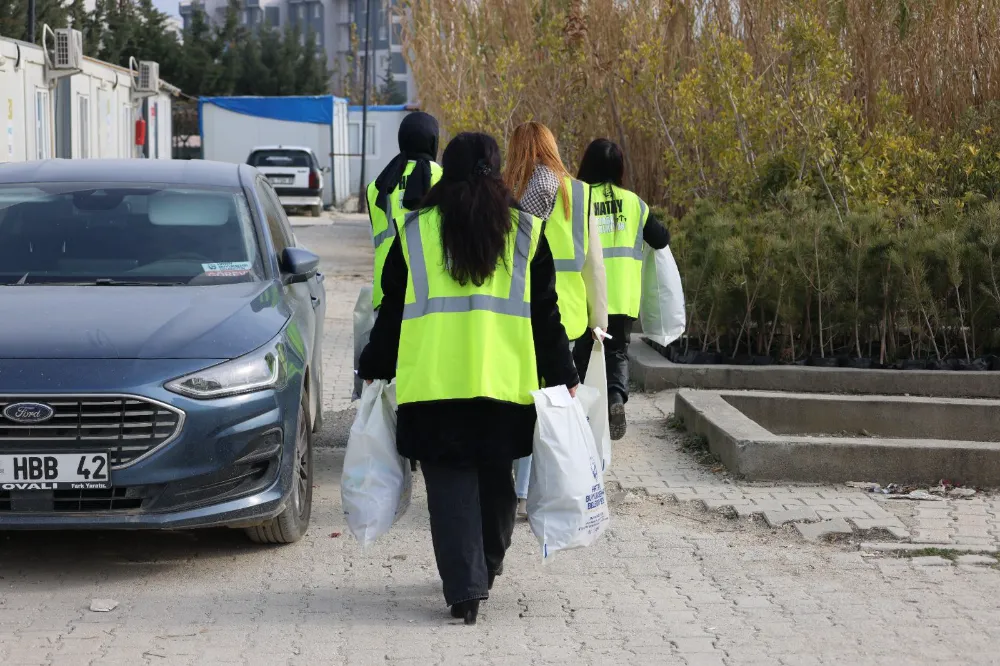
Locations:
(112, 499)
(127, 427)
(77, 501)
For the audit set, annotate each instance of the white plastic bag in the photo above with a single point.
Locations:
(364, 322)
(661, 309)
(567, 507)
(376, 483)
(593, 395)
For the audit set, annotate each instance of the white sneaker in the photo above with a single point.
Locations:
(522, 508)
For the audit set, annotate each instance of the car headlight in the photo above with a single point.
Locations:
(262, 369)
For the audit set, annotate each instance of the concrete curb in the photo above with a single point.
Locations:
(748, 449)
(652, 372)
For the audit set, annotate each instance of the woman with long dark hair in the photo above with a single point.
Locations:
(468, 324)
(624, 223)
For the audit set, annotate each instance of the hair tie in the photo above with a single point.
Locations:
(482, 168)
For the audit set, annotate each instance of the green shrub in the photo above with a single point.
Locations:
(889, 283)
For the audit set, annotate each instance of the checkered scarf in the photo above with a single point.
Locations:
(540, 196)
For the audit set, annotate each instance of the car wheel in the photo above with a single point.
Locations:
(316, 211)
(291, 524)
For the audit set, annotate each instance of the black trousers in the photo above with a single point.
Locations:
(472, 521)
(615, 356)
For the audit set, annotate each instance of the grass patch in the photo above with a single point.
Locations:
(697, 446)
(932, 552)
(675, 422)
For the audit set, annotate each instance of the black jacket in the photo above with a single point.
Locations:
(655, 233)
(469, 432)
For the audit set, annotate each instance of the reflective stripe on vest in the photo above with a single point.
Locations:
(384, 223)
(567, 233)
(634, 252)
(514, 305)
(621, 220)
(579, 230)
(462, 342)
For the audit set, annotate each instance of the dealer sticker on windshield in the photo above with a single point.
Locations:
(227, 269)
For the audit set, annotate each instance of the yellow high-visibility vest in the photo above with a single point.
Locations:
(567, 233)
(463, 341)
(621, 218)
(382, 231)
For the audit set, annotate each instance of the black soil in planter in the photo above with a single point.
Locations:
(676, 353)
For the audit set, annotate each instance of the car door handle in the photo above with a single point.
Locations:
(316, 301)
(320, 277)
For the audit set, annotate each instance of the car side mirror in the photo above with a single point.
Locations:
(297, 265)
(326, 169)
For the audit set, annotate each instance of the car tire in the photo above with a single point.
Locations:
(316, 211)
(291, 524)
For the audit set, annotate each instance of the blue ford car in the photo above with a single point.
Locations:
(160, 336)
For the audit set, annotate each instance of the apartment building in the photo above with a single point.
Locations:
(332, 22)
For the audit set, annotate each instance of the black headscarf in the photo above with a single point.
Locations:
(418, 141)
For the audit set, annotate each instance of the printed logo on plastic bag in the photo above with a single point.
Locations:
(567, 506)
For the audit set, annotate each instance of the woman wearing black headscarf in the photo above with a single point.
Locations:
(401, 186)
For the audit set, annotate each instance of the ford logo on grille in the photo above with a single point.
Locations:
(28, 412)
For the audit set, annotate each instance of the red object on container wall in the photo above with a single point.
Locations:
(140, 132)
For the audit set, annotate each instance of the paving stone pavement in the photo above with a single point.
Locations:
(669, 584)
(670, 472)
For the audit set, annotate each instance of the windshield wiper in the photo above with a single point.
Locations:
(98, 282)
(110, 282)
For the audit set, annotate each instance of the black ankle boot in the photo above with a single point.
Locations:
(616, 417)
(466, 610)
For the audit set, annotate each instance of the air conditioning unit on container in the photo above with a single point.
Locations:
(68, 52)
(149, 77)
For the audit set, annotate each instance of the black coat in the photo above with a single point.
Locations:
(481, 430)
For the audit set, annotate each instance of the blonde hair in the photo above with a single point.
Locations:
(533, 144)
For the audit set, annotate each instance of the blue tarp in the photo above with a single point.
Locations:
(318, 110)
(382, 107)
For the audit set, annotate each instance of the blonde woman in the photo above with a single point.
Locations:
(541, 185)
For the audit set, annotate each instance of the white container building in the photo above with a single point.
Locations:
(78, 107)
(382, 142)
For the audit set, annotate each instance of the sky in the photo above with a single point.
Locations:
(167, 6)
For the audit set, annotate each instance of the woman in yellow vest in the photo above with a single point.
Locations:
(401, 185)
(539, 181)
(623, 223)
(469, 322)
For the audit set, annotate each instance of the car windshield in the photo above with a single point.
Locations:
(78, 233)
(280, 158)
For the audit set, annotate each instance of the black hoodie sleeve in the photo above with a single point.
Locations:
(555, 362)
(655, 233)
(378, 359)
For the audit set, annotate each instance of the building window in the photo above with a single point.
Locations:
(84, 126)
(317, 11)
(302, 11)
(398, 63)
(272, 16)
(43, 146)
(397, 33)
(354, 139)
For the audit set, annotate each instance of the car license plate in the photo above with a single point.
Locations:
(54, 471)
(281, 180)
